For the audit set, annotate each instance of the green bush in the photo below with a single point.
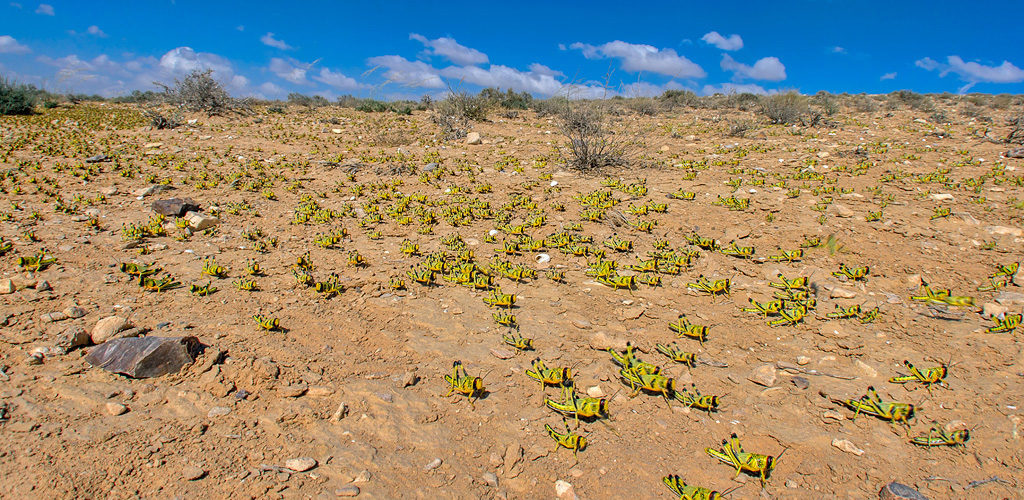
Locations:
(508, 100)
(684, 98)
(16, 99)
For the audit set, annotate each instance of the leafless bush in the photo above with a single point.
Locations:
(199, 91)
(685, 98)
(160, 122)
(827, 102)
(591, 145)
(454, 114)
(864, 104)
(1016, 135)
(739, 128)
(644, 106)
(785, 108)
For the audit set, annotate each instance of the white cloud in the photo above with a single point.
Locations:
(269, 89)
(838, 50)
(404, 71)
(270, 41)
(638, 57)
(733, 42)
(8, 45)
(337, 80)
(96, 31)
(888, 76)
(451, 50)
(767, 68)
(45, 9)
(541, 69)
(972, 72)
(736, 88)
(505, 77)
(290, 70)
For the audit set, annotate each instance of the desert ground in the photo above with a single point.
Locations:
(354, 377)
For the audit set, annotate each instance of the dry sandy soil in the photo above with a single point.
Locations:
(383, 353)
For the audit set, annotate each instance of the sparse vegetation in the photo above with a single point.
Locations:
(787, 108)
(199, 91)
(591, 144)
(15, 99)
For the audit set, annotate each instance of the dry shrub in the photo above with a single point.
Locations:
(785, 108)
(199, 91)
(591, 145)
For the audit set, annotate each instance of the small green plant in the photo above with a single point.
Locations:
(16, 99)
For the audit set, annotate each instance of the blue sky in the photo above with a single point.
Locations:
(587, 49)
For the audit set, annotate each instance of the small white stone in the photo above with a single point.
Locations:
(301, 464)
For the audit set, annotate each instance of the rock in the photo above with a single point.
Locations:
(145, 357)
(409, 379)
(602, 342)
(897, 491)
(833, 414)
(363, 477)
(582, 324)
(564, 490)
(833, 330)
(430, 167)
(336, 131)
(802, 360)
(97, 158)
(941, 197)
(74, 312)
(1012, 231)
(595, 391)
(152, 145)
(1015, 153)
(292, 391)
(108, 328)
(108, 190)
(543, 258)
(501, 353)
(199, 222)
(73, 337)
(435, 463)
(491, 479)
(116, 409)
(473, 138)
(867, 369)
(841, 293)
(7, 286)
(43, 286)
(174, 207)
(192, 472)
(763, 375)
(53, 317)
(844, 211)
(301, 464)
(386, 397)
(218, 411)
(992, 310)
(339, 413)
(847, 446)
(347, 491)
(151, 190)
(801, 383)
(1011, 298)
(629, 313)
(320, 391)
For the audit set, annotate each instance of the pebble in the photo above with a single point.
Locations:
(841, 293)
(339, 413)
(763, 375)
(410, 378)
(801, 383)
(107, 328)
(802, 360)
(491, 479)
(897, 491)
(218, 411)
(501, 353)
(53, 317)
(847, 446)
(993, 310)
(582, 324)
(192, 472)
(473, 138)
(867, 369)
(7, 286)
(833, 414)
(363, 477)
(347, 491)
(43, 286)
(844, 211)
(435, 463)
(595, 391)
(386, 397)
(301, 464)
(74, 312)
(116, 409)
(791, 484)
(564, 490)
(292, 391)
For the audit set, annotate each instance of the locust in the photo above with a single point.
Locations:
(712, 288)
(790, 316)
(211, 268)
(1007, 324)
(138, 270)
(871, 404)
(788, 256)
(578, 407)
(769, 308)
(853, 273)
(629, 361)
(202, 290)
(941, 213)
(155, 285)
(799, 283)
(695, 399)
(676, 354)
(684, 328)
(735, 250)
(869, 316)
(505, 319)
(845, 312)
(690, 492)
(462, 383)
(942, 297)
(36, 262)
(616, 282)
(755, 463)
(499, 299)
(248, 285)
(520, 342)
(267, 322)
(619, 244)
(422, 276)
(927, 377)
(937, 436)
(652, 382)
(549, 376)
(569, 440)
